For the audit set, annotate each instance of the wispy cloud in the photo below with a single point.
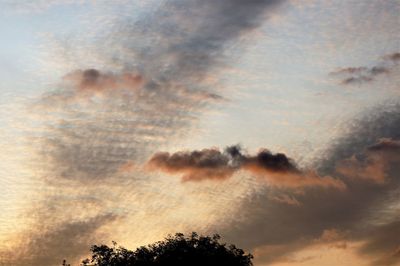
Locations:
(364, 74)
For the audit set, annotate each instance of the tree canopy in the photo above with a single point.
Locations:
(177, 250)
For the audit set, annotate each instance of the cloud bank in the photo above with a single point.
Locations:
(367, 161)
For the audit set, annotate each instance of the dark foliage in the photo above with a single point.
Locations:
(175, 250)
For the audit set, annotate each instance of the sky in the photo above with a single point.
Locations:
(274, 123)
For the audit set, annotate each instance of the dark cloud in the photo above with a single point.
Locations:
(363, 210)
(265, 160)
(360, 74)
(377, 70)
(214, 164)
(385, 144)
(277, 169)
(192, 33)
(365, 131)
(392, 57)
(350, 70)
(196, 165)
(356, 80)
(363, 74)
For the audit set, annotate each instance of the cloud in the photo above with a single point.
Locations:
(383, 245)
(293, 252)
(263, 254)
(151, 86)
(193, 38)
(197, 165)
(94, 80)
(395, 57)
(49, 246)
(102, 120)
(276, 169)
(372, 127)
(165, 57)
(362, 211)
(364, 74)
(373, 164)
(286, 199)
(385, 144)
(360, 75)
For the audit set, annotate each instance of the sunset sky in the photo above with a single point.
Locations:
(275, 123)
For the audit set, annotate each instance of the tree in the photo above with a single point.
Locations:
(175, 250)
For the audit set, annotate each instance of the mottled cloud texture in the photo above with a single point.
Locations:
(277, 169)
(367, 160)
(107, 117)
(103, 118)
(364, 74)
(68, 240)
(93, 133)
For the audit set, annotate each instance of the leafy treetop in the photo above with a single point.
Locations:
(177, 250)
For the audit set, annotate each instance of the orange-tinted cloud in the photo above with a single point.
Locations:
(374, 163)
(96, 81)
(276, 169)
(195, 166)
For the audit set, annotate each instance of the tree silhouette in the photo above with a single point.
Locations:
(177, 250)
